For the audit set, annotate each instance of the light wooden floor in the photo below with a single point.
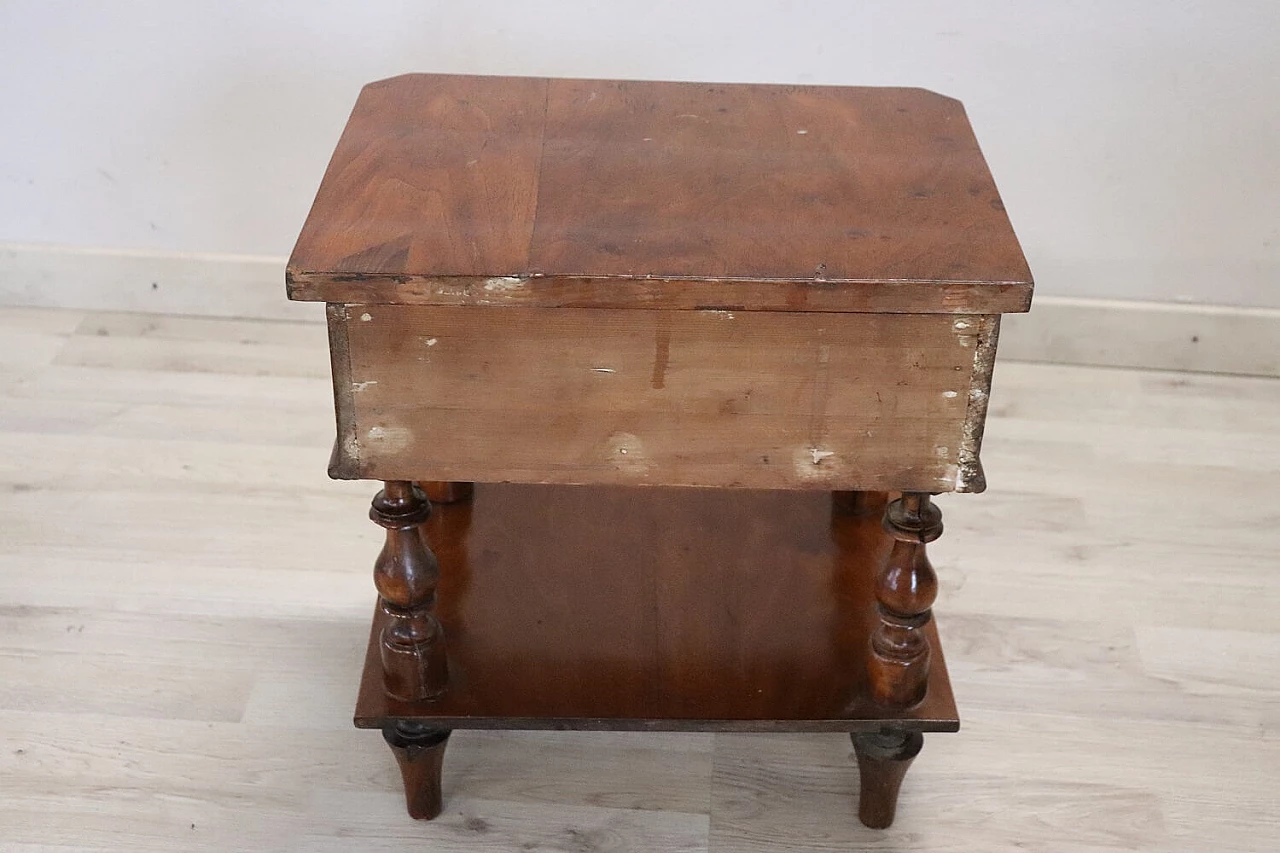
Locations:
(184, 598)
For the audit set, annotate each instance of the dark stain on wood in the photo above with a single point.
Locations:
(661, 356)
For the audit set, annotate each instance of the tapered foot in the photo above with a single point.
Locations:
(420, 753)
(883, 759)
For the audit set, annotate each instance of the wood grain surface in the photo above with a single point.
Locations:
(655, 609)
(699, 398)
(592, 193)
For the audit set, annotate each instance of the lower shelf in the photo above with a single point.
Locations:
(578, 607)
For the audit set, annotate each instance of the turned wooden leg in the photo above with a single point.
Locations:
(898, 665)
(419, 751)
(446, 491)
(883, 759)
(405, 573)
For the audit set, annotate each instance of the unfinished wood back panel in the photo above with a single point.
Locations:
(699, 398)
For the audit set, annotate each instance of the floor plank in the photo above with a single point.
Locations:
(184, 600)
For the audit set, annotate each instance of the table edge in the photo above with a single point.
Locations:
(876, 296)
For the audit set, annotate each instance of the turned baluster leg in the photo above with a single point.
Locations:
(883, 759)
(405, 573)
(898, 664)
(419, 750)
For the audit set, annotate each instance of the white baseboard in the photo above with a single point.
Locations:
(1154, 335)
(209, 285)
(1063, 330)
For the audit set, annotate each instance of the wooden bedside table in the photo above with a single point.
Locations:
(687, 340)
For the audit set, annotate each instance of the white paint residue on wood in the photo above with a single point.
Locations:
(503, 283)
(949, 394)
(360, 386)
(814, 464)
(431, 342)
(819, 455)
(351, 448)
(389, 439)
(366, 317)
(627, 453)
(603, 370)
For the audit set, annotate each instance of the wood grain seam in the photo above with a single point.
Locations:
(537, 176)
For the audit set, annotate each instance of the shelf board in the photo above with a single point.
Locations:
(655, 609)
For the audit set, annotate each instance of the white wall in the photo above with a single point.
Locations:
(1137, 144)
